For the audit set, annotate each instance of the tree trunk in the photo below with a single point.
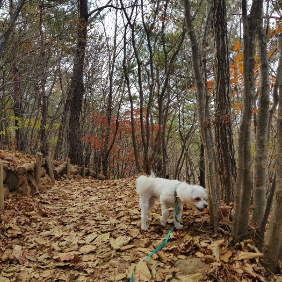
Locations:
(17, 105)
(125, 70)
(77, 88)
(107, 144)
(203, 115)
(202, 166)
(4, 37)
(262, 133)
(273, 234)
(223, 125)
(43, 96)
(156, 88)
(244, 177)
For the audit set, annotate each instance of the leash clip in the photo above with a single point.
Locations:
(175, 193)
(175, 196)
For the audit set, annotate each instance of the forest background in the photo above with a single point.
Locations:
(187, 89)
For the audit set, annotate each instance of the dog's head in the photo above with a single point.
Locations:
(198, 197)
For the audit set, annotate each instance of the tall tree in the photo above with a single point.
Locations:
(154, 56)
(108, 144)
(223, 125)
(77, 88)
(244, 176)
(199, 69)
(17, 103)
(4, 37)
(273, 234)
(262, 128)
(44, 100)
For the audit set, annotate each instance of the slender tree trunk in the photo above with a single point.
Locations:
(44, 100)
(202, 166)
(17, 105)
(136, 154)
(156, 91)
(203, 115)
(77, 87)
(244, 177)
(271, 112)
(4, 37)
(223, 125)
(107, 146)
(261, 147)
(273, 234)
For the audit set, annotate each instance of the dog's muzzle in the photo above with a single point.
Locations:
(201, 209)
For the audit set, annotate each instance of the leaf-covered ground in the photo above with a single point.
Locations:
(89, 230)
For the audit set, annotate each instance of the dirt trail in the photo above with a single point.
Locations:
(89, 230)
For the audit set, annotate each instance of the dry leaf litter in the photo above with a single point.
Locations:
(89, 230)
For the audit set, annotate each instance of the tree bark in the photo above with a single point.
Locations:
(202, 166)
(4, 37)
(17, 105)
(125, 71)
(223, 124)
(262, 133)
(244, 177)
(107, 143)
(273, 234)
(77, 87)
(25, 168)
(43, 96)
(203, 115)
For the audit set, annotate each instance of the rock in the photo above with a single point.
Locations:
(11, 180)
(190, 266)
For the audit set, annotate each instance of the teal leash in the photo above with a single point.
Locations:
(167, 237)
(156, 250)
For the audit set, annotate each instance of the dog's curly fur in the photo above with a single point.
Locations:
(152, 188)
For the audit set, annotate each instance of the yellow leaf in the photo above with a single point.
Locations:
(225, 257)
(237, 46)
(247, 255)
(142, 271)
(215, 250)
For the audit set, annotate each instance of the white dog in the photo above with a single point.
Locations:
(151, 188)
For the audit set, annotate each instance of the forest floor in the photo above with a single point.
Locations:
(89, 230)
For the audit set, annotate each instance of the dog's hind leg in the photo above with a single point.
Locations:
(165, 212)
(144, 204)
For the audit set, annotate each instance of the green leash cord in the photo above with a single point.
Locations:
(167, 237)
(156, 250)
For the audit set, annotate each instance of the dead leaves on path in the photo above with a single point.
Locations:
(89, 230)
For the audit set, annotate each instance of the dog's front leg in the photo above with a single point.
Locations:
(165, 212)
(179, 214)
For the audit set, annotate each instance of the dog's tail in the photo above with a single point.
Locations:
(152, 174)
(143, 183)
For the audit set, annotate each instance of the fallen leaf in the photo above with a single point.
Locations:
(142, 271)
(102, 238)
(247, 255)
(117, 243)
(87, 249)
(225, 257)
(89, 238)
(215, 250)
